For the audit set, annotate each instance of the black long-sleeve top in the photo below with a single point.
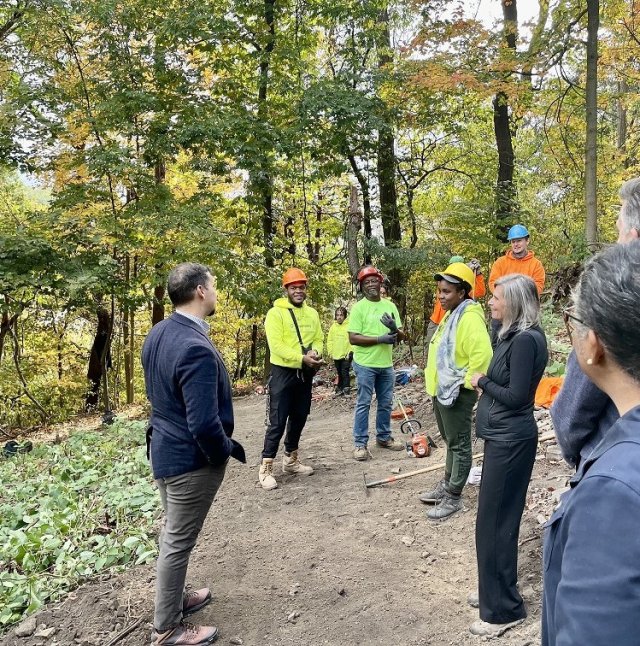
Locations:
(505, 409)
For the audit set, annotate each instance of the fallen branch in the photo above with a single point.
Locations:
(123, 633)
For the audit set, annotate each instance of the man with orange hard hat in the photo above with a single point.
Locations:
(295, 341)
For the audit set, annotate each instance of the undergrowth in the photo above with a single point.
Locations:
(70, 511)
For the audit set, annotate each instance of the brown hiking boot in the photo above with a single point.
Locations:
(265, 475)
(186, 634)
(195, 600)
(361, 453)
(291, 464)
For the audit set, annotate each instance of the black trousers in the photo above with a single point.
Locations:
(506, 472)
(289, 406)
(342, 368)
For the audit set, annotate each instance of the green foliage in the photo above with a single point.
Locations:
(71, 511)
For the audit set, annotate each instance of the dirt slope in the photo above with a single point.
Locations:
(319, 560)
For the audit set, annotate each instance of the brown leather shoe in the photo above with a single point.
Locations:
(186, 635)
(195, 600)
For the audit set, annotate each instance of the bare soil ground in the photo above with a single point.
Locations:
(321, 560)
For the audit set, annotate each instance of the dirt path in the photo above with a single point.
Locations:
(318, 560)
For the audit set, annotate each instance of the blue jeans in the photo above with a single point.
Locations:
(382, 381)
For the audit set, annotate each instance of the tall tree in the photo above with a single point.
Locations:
(591, 150)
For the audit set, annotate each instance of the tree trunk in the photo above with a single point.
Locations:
(157, 307)
(5, 326)
(254, 345)
(99, 349)
(386, 163)
(622, 118)
(354, 221)
(262, 176)
(366, 200)
(505, 200)
(127, 335)
(591, 157)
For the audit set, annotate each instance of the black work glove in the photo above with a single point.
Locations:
(388, 338)
(237, 452)
(388, 321)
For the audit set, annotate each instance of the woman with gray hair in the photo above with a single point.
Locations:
(592, 541)
(505, 421)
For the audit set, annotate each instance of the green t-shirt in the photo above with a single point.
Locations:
(365, 319)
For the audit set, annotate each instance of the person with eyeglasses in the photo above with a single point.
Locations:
(504, 419)
(591, 546)
(295, 341)
(581, 412)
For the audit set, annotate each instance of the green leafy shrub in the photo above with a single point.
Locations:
(70, 511)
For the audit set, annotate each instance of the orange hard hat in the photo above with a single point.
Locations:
(369, 270)
(293, 275)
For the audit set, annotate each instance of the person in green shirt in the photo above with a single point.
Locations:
(460, 348)
(340, 350)
(295, 341)
(374, 326)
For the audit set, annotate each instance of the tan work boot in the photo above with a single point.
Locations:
(265, 475)
(291, 464)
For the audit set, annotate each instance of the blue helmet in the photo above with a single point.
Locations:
(517, 231)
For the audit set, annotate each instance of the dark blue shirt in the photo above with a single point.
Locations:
(592, 548)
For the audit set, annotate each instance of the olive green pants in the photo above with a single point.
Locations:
(454, 424)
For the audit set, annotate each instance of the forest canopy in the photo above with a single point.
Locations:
(255, 136)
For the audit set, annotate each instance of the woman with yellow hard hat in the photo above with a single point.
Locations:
(460, 348)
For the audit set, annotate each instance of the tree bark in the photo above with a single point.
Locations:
(354, 221)
(591, 157)
(262, 179)
(99, 349)
(505, 199)
(386, 162)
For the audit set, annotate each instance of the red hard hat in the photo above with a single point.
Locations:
(369, 270)
(293, 275)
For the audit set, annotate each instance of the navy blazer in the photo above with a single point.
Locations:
(190, 394)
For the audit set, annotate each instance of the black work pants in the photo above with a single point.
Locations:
(506, 472)
(289, 406)
(342, 368)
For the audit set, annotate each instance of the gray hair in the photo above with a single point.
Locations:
(630, 212)
(521, 303)
(607, 301)
(183, 281)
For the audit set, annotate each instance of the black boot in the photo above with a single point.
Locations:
(449, 505)
(435, 496)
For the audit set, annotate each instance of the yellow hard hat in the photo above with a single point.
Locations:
(457, 273)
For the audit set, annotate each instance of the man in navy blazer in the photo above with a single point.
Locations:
(190, 443)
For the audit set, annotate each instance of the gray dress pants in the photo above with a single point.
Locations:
(186, 500)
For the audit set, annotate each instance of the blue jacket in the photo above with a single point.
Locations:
(581, 414)
(592, 548)
(190, 394)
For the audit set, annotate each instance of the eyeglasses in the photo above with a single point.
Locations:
(568, 317)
